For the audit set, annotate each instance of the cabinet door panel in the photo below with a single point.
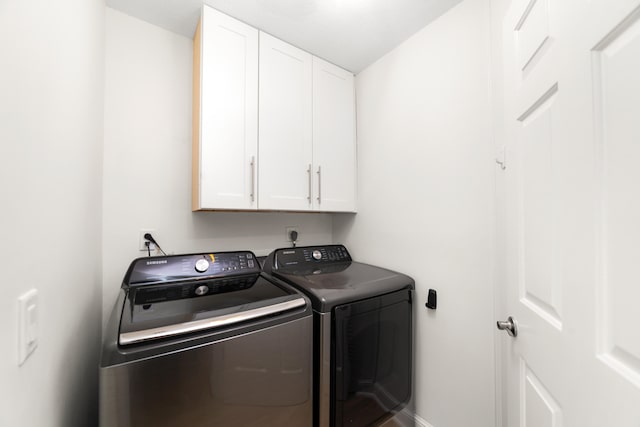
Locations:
(285, 126)
(334, 147)
(229, 114)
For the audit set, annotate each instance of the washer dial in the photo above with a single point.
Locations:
(202, 265)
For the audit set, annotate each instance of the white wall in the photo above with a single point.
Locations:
(425, 194)
(147, 160)
(425, 203)
(51, 116)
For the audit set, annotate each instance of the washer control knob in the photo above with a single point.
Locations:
(202, 290)
(202, 265)
(317, 254)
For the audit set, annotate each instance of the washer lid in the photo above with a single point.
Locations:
(162, 311)
(333, 279)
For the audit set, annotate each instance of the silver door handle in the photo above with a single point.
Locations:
(319, 185)
(508, 325)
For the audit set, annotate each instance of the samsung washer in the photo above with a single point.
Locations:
(362, 334)
(206, 340)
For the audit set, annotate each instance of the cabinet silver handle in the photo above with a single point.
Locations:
(253, 179)
(319, 185)
(310, 189)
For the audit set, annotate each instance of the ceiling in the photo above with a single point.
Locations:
(350, 33)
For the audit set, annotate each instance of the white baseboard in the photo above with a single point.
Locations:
(420, 422)
(408, 418)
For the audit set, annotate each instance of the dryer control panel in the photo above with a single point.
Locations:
(308, 257)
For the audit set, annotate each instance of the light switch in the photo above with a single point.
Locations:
(27, 324)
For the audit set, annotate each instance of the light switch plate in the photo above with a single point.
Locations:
(27, 324)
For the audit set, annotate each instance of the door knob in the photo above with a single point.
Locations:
(509, 325)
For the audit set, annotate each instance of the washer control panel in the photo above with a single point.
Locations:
(164, 269)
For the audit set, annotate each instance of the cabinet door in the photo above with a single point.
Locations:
(334, 144)
(285, 126)
(227, 151)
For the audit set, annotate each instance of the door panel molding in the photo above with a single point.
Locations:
(539, 407)
(617, 107)
(532, 33)
(540, 288)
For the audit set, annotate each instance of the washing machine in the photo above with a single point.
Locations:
(363, 358)
(206, 340)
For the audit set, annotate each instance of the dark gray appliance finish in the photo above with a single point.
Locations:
(202, 343)
(363, 355)
(329, 276)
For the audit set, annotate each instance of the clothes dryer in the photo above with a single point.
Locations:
(362, 333)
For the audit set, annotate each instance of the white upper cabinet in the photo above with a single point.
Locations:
(225, 130)
(273, 126)
(285, 132)
(334, 139)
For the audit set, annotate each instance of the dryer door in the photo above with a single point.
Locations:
(373, 363)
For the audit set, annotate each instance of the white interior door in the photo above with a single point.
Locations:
(572, 209)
